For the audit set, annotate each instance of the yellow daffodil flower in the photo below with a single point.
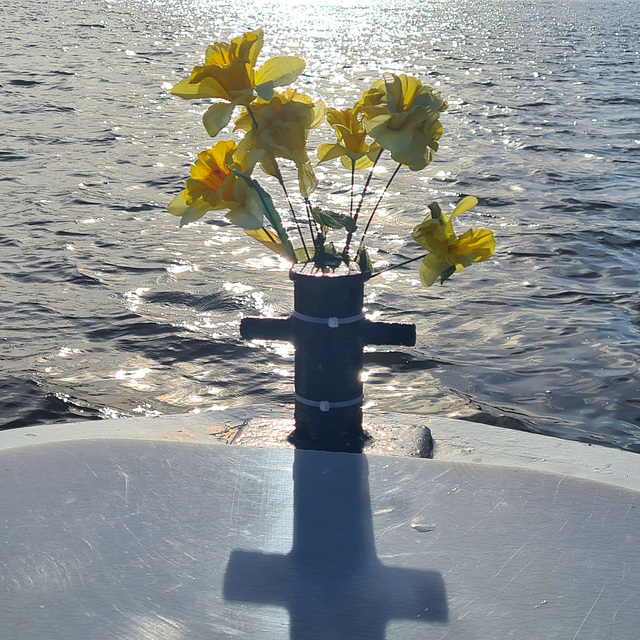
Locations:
(372, 97)
(402, 115)
(213, 187)
(447, 252)
(228, 74)
(352, 146)
(279, 128)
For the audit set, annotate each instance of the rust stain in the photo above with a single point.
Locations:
(228, 432)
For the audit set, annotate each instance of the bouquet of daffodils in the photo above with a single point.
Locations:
(397, 115)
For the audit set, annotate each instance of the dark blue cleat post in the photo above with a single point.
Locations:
(328, 330)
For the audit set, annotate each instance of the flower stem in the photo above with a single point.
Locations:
(353, 176)
(401, 264)
(312, 221)
(345, 251)
(364, 233)
(271, 236)
(280, 179)
(253, 118)
(366, 184)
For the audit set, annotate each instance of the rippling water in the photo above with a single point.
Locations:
(106, 308)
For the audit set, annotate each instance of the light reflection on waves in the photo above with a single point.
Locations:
(104, 300)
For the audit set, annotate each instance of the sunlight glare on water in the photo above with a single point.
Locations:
(100, 285)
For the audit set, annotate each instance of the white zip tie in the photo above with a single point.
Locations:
(332, 322)
(325, 405)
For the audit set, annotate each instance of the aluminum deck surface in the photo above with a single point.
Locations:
(171, 539)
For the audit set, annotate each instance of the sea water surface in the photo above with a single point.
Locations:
(108, 309)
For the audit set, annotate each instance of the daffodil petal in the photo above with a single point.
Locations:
(265, 91)
(430, 269)
(431, 234)
(393, 85)
(330, 151)
(392, 139)
(307, 180)
(247, 211)
(217, 117)
(466, 204)
(318, 114)
(179, 204)
(347, 162)
(185, 211)
(435, 133)
(244, 218)
(269, 165)
(417, 155)
(206, 88)
(361, 163)
(185, 89)
(279, 71)
(269, 240)
(251, 44)
(477, 245)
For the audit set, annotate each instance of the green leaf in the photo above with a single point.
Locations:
(333, 220)
(363, 260)
(329, 258)
(447, 273)
(270, 213)
(325, 255)
(301, 254)
(436, 211)
(350, 224)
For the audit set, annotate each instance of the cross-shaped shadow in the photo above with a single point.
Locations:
(332, 582)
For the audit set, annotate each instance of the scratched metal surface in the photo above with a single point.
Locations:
(171, 541)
